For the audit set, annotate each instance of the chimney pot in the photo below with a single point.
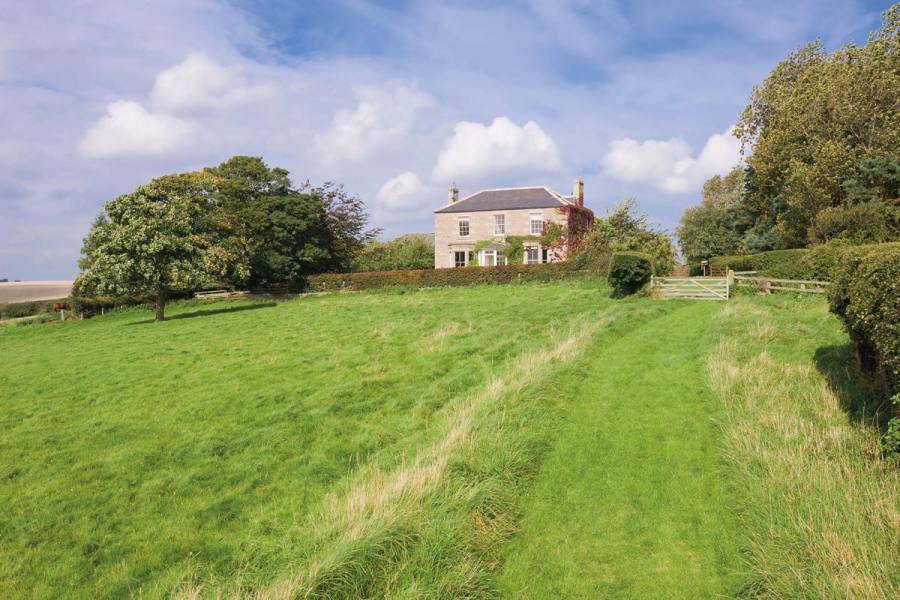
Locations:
(578, 191)
(453, 193)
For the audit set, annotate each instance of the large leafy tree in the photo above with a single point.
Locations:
(163, 237)
(288, 232)
(814, 125)
(239, 223)
(345, 221)
(717, 225)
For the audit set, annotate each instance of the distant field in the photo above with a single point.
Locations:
(27, 291)
(518, 440)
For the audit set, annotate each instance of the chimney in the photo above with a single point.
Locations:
(453, 193)
(578, 192)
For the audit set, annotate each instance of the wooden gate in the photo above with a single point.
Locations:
(691, 288)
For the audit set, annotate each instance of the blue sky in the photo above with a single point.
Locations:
(395, 100)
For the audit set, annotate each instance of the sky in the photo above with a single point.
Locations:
(395, 100)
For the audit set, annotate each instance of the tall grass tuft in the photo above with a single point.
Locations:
(820, 508)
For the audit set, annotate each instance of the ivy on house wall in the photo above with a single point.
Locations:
(514, 250)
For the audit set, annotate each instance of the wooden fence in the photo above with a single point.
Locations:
(691, 288)
(766, 284)
(719, 288)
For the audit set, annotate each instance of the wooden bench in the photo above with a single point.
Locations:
(218, 295)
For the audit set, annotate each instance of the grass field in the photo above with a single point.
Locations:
(514, 440)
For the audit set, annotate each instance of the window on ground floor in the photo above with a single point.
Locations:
(459, 259)
(532, 255)
(491, 258)
(544, 255)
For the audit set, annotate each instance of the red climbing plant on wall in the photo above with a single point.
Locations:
(563, 240)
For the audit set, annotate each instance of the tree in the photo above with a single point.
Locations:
(625, 230)
(158, 239)
(878, 180)
(717, 225)
(814, 125)
(238, 223)
(410, 251)
(346, 220)
(288, 232)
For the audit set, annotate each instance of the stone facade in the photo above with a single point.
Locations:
(448, 241)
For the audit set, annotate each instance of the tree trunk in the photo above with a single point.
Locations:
(160, 306)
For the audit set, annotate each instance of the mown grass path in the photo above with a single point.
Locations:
(632, 503)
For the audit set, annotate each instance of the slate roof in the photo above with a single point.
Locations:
(507, 199)
(495, 246)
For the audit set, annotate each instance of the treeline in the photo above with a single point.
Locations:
(820, 138)
(239, 224)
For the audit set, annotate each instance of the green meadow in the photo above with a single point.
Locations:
(535, 440)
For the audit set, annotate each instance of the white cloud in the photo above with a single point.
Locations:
(382, 115)
(476, 150)
(405, 190)
(128, 129)
(668, 164)
(629, 160)
(199, 82)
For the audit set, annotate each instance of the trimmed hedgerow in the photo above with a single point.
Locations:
(865, 294)
(629, 272)
(439, 277)
(816, 263)
(14, 310)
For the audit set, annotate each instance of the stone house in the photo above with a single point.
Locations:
(486, 218)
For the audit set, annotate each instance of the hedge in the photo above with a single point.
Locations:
(865, 294)
(816, 263)
(629, 272)
(14, 310)
(440, 277)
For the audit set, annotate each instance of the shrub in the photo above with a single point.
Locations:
(816, 263)
(439, 277)
(865, 294)
(16, 310)
(629, 272)
(410, 251)
(19, 309)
